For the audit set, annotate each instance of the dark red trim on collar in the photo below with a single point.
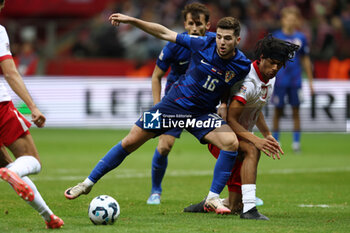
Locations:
(5, 57)
(256, 67)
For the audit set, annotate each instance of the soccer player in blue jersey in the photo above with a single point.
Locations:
(248, 97)
(215, 66)
(288, 82)
(196, 22)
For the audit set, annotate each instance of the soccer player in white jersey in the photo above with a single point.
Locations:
(14, 134)
(248, 97)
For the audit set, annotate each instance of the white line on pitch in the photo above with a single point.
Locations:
(134, 173)
(306, 170)
(310, 206)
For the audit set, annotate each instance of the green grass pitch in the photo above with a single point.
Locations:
(320, 175)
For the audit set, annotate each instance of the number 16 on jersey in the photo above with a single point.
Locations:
(210, 83)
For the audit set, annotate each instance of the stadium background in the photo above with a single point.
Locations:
(59, 42)
(84, 73)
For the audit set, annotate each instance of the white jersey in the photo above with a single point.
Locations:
(5, 53)
(254, 93)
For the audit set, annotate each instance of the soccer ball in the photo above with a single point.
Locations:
(103, 210)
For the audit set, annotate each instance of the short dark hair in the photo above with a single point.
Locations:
(230, 23)
(196, 9)
(271, 47)
(2, 2)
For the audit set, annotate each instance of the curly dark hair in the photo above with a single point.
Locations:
(271, 47)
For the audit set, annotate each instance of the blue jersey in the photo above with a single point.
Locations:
(178, 58)
(208, 76)
(290, 75)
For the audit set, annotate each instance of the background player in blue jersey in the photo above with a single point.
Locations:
(215, 66)
(196, 22)
(289, 78)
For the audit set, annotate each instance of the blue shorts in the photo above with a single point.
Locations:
(175, 118)
(293, 94)
(175, 132)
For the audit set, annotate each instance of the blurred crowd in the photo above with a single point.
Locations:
(326, 24)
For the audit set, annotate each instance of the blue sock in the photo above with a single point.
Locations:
(159, 165)
(296, 136)
(222, 170)
(276, 135)
(111, 160)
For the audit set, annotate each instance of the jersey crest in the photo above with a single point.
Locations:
(264, 92)
(229, 75)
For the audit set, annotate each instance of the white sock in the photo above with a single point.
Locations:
(212, 195)
(38, 203)
(25, 165)
(88, 182)
(248, 196)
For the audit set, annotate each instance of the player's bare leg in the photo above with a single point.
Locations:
(234, 202)
(136, 138)
(159, 165)
(5, 158)
(27, 163)
(24, 146)
(165, 144)
(27, 157)
(111, 160)
(248, 176)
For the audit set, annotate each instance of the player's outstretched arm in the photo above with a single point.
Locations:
(154, 29)
(16, 83)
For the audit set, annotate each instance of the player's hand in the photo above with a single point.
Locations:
(222, 111)
(269, 147)
(118, 18)
(38, 118)
(271, 138)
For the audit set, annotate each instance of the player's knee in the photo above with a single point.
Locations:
(164, 150)
(251, 152)
(126, 142)
(165, 145)
(230, 143)
(132, 141)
